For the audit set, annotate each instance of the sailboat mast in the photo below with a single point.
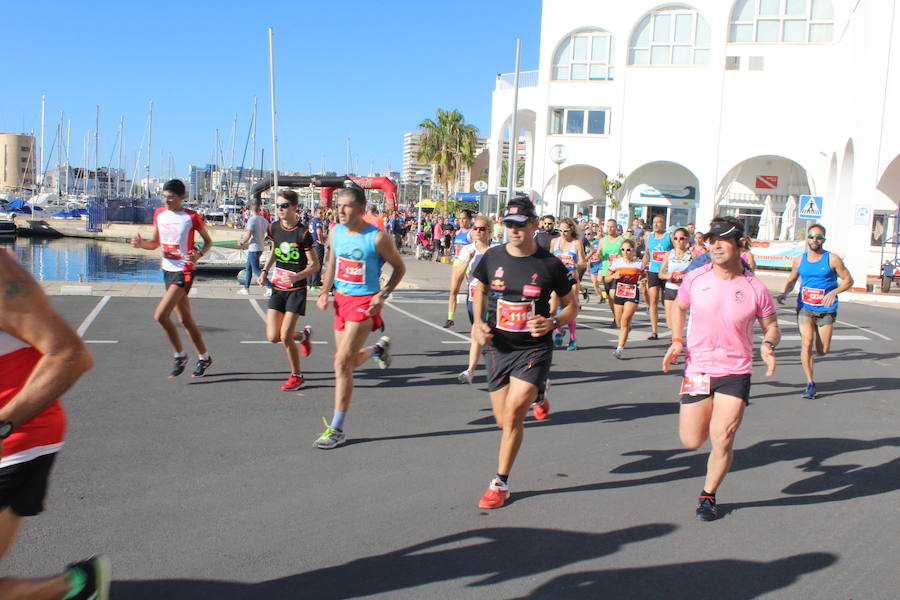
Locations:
(97, 154)
(274, 112)
(41, 165)
(68, 149)
(149, 148)
(121, 149)
(253, 158)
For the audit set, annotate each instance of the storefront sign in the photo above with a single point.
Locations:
(777, 255)
(766, 182)
(679, 192)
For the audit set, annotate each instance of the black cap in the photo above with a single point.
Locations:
(520, 210)
(724, 230)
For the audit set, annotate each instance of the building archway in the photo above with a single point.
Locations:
(526, 121)
(582, 189)
(663, 188)
(743, 191)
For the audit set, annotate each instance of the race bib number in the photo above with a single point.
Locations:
(695, 385)
(350, 271)
(626, 290)
(473, 288)
(658, 255)
(280, 278)
(613, 257)
(812, 296)
(171, 251)
(676, 276)
(513, 316)
(567, 261)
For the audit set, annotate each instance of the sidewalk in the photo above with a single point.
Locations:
(420, 275)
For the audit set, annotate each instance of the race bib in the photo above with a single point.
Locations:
(279, 278)
(812, 296)
(350, 271)
(613, 257)
(695, 385)
(171, 251)
(513, 316)
(473, 288)
(626, 290)
(658, 255)
(567, 260)
(676, 276)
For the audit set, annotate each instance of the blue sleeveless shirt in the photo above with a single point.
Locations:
(816, 280)
(357, 269)
(657, 248)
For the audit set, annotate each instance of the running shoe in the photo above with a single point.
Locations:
(202, 365)
(612, 325)
(653, 336)
(466, 377)
(93, 575)
(383, 360)
(541, 410)
(448, 324)
(810, 392)
(330, 438)
(706, 509)
(618, 353)
(495, 496)
(558, 338)
(572, 346)
(178, 366)
(243, 291)
(306, 342)
(584, 294)
(294, 383)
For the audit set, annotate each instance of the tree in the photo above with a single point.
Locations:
(520, 173)
(612, 187)
(448, 145)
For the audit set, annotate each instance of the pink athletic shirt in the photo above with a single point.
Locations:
(720, 322)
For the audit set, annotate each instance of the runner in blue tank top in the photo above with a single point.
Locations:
(461, 239)
(358, 251)
(817, 302)
(658, 245)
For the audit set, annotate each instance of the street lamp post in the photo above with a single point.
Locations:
(558, 154)
(421, 176)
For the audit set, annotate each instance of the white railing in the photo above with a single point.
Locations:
(506, 81)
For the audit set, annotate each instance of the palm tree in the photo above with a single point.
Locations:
(447, 145)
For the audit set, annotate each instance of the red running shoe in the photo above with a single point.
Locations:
(495, 496)
(294, 382)
(542, 409)
(306, 344)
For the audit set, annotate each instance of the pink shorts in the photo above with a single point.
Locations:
(354, 308)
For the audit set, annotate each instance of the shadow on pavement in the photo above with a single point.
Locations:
(496, 555)
(611, 413)
(848, 481)
(703, 580)
(835, 388)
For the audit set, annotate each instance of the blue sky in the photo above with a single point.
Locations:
(365, 70)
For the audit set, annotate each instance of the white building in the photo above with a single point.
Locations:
(709, 108)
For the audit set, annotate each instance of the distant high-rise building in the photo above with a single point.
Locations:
(411, 165)
(18, 156)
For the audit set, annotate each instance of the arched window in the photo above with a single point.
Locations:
(781, 21)
(672, 35)
(585, 56)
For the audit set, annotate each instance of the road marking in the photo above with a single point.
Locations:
(101, 341)
(421, 320)
(454, 341)
(884, 337)
(92, 315)
(834, 337)
(258, 310)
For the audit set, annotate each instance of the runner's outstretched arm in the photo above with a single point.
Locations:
(837, 264)
(677, 317)
(771, 337)
(386, 247)
(26, 314)
(481, 331)
(327, 280)
(792, 280)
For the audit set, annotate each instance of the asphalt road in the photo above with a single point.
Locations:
(211, 488)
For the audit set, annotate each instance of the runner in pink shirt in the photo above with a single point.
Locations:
(724, 300)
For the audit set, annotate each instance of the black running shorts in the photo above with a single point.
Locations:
(285, 301)
(621, 301)
(23, 487)
(730, 385)
(653, 280)
(819, 317)
(669, 294)
(532, 365)
(183, 279)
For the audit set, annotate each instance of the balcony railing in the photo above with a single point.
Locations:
(506, 81)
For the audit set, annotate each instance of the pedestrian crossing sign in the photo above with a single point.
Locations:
(810, 207)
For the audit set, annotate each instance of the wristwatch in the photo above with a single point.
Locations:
(385, 294)
(772, 345)
(555, 322)
(6, 428)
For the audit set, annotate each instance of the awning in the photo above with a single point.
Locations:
(466, 197)
(427, 203)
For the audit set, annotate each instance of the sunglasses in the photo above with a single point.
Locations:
(284, 205)
(627, 249)
(548, 222)
(514, 225)
(815, 236)
(565, 231)
(480, 228)
(677, 239)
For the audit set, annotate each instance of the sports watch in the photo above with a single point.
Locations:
(555, 322)
(6, 428)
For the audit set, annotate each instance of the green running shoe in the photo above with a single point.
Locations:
(383, 360)
(330, 438)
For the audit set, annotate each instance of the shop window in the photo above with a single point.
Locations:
(585, 56)
(579, 121)
(670, 36)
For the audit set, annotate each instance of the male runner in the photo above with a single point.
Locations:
(817, 303)
(294, 259)
(462, 238)
(658, 244)
(463, 267)
(256, 236)
(319, 234)
(42, 358)
(515, 281)
(173, 228)
(358, 251)
(724, 300)
(547, 233)
(611, 249)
